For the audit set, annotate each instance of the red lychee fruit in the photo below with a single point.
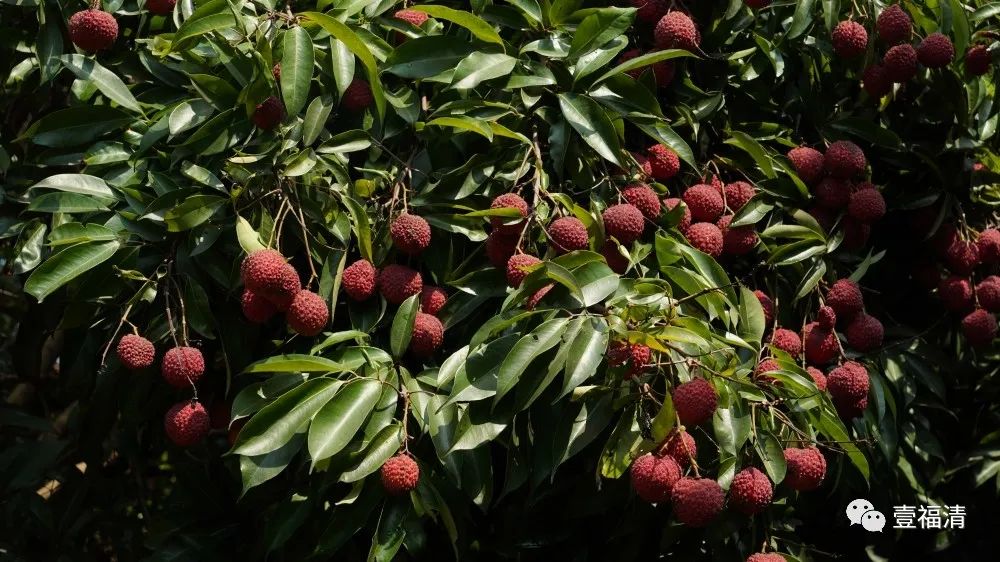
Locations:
(616, 261)
(850, 39)
(832, 193)
(806, 468)
(645, 168)
(808, 164)
(186, 423)
(398, 283)
(867, 205)
(410, 233)
(962, 257)
(308, 314)
(979, 327)
(738, 194)
(844, 160)
(787, 341)
(635, 356)
(848, 383)
(988, 293)
(767, 304)
(766, 366)
(988, 245)
(844, 297)
(400, 474)
(261, 270)
(826, 317)
(160, 7)
(568, 234)
(428, 335)
(820, 346)
(268, 113)
(675, 30)
(697, 501)
(955, 293)
(288, 285)
(977, 60)
(946, 235)
(663, 162)
(680, 446)
(135, 352)
(705, 237)
(623, 222)
(182, 366)
(509, 225)
(276, 71)
(737, 241)
(653, 477)
(516, 268)
(936, 51)
(411, 17)
(766, 557)
(644, 199)
(500, 247)
(534, 299)
(751, 491)
(865, 333)
(875, 81)
(900, 63)
(93, 30)
(818, 377)
(894, 25)
(705, 203)
(359, 280)
(357, 96)
(695, 401)
(671, 202)
(432, 299)
(256, 308)
(649, 11)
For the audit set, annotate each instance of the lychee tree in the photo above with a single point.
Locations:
(496, 280)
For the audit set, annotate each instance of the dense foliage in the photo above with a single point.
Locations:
(224, 180)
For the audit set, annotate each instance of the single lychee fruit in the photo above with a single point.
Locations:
(736, 241)
(820, 346)
(616, 261)
(186, 423)
(400, 473)
(268, 113)
(675, 30)
(787, 341)
(160, 7)
(955, 293)
(818, 377)
(875, 81)
(671, 202)
(705, 203)
(509, 225)
(827, 317)
(977, 60)
(866, 205)
(766, 557)
(432, 299)
(844, 296)
(182, 366)
(680, 446)
(649, 11)
(663, 161)
(261, 270)
(766, 366)
(806, 468)
(644, 199)
(653, 477)
(833, 193)
(962, 257)
(135, 352)
(936, 51)
(411, 17)
(410, 233)
(256, 308)
(623, 222)
(865, 333)
(635, 356)
(844, 160)
(398, 283)
(894, 25)
(93, 30)
(979, 327)
(900, 63)
(568, 234)
(357, 96)
(534, 299)
(697, 501)
(716, 183)
(751, 491)
(988, 293)
(738, 194)
(516, 268)
(500, 247)
(428, 334)
(848, 383)
(988, 245)
(850, 39)
(808, 164)
(308, 313)
(705, 237)
(767, 304)
(695, 401)
(359, 280)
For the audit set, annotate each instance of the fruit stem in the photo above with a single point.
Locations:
(95, 4)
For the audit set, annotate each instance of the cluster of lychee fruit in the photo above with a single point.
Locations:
(272, 285)
(671, 29)
(708, 214)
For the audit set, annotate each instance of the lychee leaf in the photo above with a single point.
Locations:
(259, 469)
(384, 445)
(772, 455)
(664, 420)
(402, 325)
(337, 422)
(275, 424)
(540, 340)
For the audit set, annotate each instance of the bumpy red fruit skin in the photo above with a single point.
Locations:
(806, 468)
(182, 366)
(135, 352)
(738, 194)
(644, 199)
(865, 333)
(808, 163)
(706, 237)
(649, 11)
(256, 308)
(818, 377)
(680, 446)
(936, 51)
(738, 241)
(509, 225)
(962, 257)
(845, 298)
(844, 160)
(900, 63)
(833, 193)
(93, 30)
(400, 474)
(633, 355)
(787, 341)
(568, 234)
(977, 60)
(767, 304)
(412, 17)
(894, 25)
(675, 30)
(359, 280)
(705, 203)
(663, 162)
(534, 299)
(358, 96)
(764, 367)
(766, 557)
(500, 247)
(988, 293)
(432, 299)
(875, 81)
(848, 383)
(751, 491)
(645, 168)
(697, 501)
(515, 268)
(849, 39)
(268, 113)
(979, 327)
(261, 269)
(988, 245)
(410, 233)
(820, 345)
(160, 7)
(428, 334)
(695, 401)
(955, 293)
(867, 205)
(616, 261)
(398, 283)
(669, 203)
(653, 477)
(623, 222)
(308, 313)
(186, 423)
(827, 317)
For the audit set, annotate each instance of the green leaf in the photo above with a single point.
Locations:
(68, 203)
(772, 455)
(402, 325)
(585, 353)
(362, 230)
(192, 212)
(316, 115)
(294, 363)
(801, 19)
(643, 61)
(248, 238)
(424, 57)
(476, 25)
(754, 149)
(479, 67)
(384, 445)
(67, 265)
(212, 16)
(590, 121)
(664, 420)
(464, 123)
(752, 322)
(340, 419)
(275, 424)
(74, 233)
(76, 125)
(526, 350)
(598, 28)
(296, 69)
(732, 429)
(87, 68)
(259, 469)
(345, 35)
